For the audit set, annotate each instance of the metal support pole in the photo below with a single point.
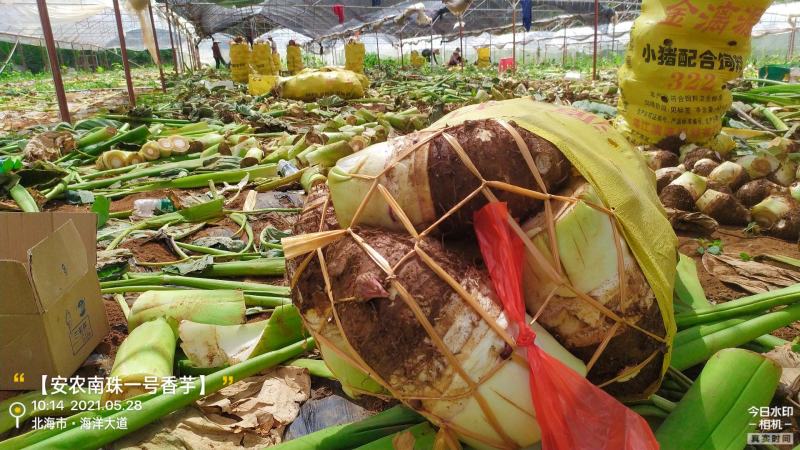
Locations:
(564, 54)
(180, 48)
(171, 39)
(402, 62)
(790, 52)
(514, 34)
(22, 57)
(377, 48)
(74, 56)
(594, 52)
(44, 16)
(197, 54)
(192, 56)
(461, 37)
(158, 51)
(45, 59)
(190, 49)
(613, 38)
(125, 64)
(524, 41)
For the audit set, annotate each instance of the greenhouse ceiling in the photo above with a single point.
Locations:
(318, 19)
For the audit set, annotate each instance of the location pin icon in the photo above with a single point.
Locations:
(16, 410)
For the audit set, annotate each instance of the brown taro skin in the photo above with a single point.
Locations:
(696, 155)
(311, 221)
(726, 210)
(788, 228)
(754, 192)
(704, 167)
(495, 153)
(677, 197)
(665, 177)
(380, 326)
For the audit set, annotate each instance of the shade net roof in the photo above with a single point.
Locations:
(81, 24)
(90, 24)
(408, 18)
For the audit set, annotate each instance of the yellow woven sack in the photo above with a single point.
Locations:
(261, 59)
(240, 61)
(261, 84)
(681, 54)
(354, 56)
(294, 59)
(484, 58)
(239, 52)
(313, 84)
(416, 60)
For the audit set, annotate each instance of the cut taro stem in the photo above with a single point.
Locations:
(684, 191)
(785, 175)
(252, 157)
(150, 151)
(729, 174)
(759, 166)
(772, 209)
(180, 145)
(114, 159)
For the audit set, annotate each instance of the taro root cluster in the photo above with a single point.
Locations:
(733, 183)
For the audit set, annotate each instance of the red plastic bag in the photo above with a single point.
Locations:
(573, 414)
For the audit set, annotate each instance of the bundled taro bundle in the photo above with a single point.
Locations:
(385, 269)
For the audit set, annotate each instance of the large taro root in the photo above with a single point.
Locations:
(430, 178)
(395, 202)
(368, 311)
(590, 254)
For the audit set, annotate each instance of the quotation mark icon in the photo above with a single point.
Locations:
(19, 377)
(227, 380)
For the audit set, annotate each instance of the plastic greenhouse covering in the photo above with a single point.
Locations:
(383, 25)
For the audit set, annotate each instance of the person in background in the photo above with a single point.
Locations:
(455, 59)
(431, 55)
(217, 54)
(273, 45)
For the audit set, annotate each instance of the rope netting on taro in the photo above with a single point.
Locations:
(412, 309)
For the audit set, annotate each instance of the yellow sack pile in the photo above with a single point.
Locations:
(416, 60)
(261, 59)
(312, 84)
(484, 58)
(354, 56)
(240, 62)
(294, 59)
(276, 62)
(681, 54)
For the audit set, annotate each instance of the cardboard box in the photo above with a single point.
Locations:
(51, 311)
